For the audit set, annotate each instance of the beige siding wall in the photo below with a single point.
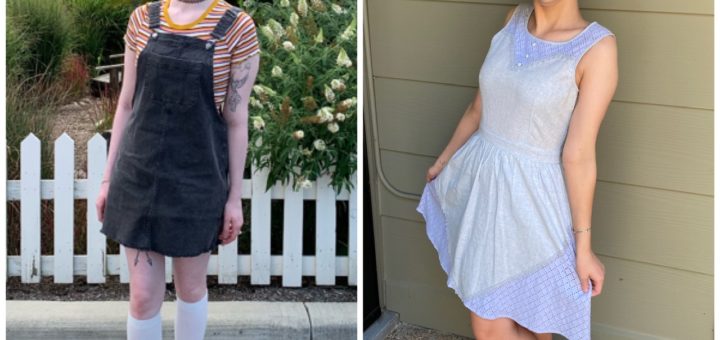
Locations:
(652, 216)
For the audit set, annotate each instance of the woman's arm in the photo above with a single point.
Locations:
(124, 107)
(235, 112)
(122, 114)
(599, 76)
(468, 124)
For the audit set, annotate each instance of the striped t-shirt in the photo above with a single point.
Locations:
(239, 43)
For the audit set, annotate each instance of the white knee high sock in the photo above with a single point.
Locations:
(148, 329)
(191, 318)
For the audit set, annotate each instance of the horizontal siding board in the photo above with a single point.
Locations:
(653, 70)
(452, 51)
(667, 228)
(405, 172)
(398, 207)
(606, 332)
(655, 300)
(409, 255)
(657, 146)
(418, 117)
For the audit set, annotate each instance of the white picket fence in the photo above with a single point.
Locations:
(325, 266)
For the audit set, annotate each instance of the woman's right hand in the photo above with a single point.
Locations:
(433, 171)
(100, 201)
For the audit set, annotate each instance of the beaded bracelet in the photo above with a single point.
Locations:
(581, 230)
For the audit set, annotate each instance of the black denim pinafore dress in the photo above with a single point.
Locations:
(169, 184)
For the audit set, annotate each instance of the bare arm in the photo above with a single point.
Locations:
(235, 111)
(599, 76)
(123, 110)
(122, 114)
(469, 123)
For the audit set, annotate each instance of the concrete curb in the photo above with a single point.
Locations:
(226, 320)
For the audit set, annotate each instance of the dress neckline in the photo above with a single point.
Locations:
(527, 31)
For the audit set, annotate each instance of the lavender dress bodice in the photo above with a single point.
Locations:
(528, 85)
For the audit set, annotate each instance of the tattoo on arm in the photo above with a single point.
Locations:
(234, 96)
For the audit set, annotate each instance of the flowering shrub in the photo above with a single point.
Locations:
(303, 108)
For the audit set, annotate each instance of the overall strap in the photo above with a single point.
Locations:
(154, 14)
(225, 22)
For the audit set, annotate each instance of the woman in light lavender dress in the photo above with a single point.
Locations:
(508, 202)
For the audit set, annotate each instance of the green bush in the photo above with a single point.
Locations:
(18, 49)
(99, 26)
(303, 108)
(46, 26)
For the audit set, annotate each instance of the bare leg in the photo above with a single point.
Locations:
(192, 303)
(191, 276)
(147, 291)
(147, 282)
(500, 328)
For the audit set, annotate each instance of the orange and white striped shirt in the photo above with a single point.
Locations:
(239, 43)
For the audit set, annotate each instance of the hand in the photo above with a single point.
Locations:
(233, 221)
(101, 199)
(434, 170)
(589, 267)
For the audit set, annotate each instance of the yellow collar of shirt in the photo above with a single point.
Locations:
(189, 25)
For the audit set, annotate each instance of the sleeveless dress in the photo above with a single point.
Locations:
(498, 213)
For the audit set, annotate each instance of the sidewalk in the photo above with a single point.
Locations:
(226, 320)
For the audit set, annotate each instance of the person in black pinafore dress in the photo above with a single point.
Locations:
(170, 189)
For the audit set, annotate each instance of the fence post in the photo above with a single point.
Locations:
(352, 233)
(260, 228)
(96, 250)
(64, 202)
(30, 209)
(292, 236)
(325, 232)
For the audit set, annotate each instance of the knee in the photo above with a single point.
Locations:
(190, 292)
(500, 328)
(144, 304)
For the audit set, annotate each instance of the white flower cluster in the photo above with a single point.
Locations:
(258, 123)
(302, 182)
(349, 32)
(343, 59)
(325, 115)
(319, 145)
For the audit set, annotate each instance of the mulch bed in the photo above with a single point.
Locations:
(113, 290)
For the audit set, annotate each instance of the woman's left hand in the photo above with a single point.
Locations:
(232, 222)
(589, 267)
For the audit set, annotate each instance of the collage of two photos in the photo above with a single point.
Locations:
(344, 169)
